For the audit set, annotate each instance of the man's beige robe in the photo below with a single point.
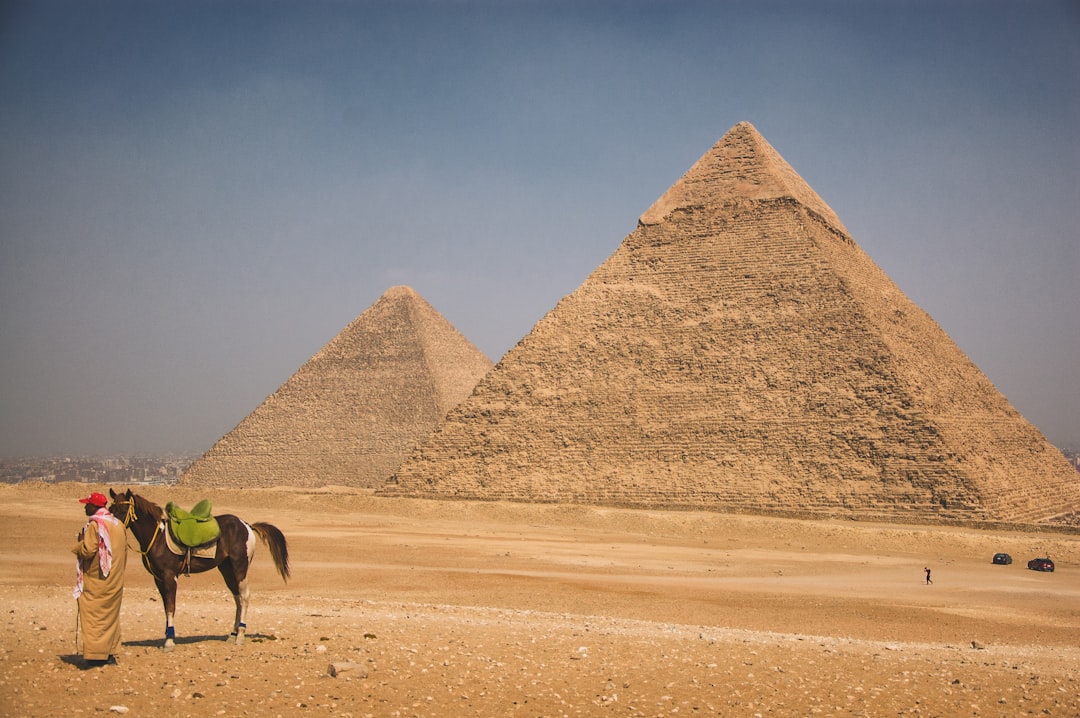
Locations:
(99, 604)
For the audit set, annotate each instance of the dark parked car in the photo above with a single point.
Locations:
(1041, 564)
(1003, 559)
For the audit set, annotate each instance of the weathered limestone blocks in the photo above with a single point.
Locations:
(740, 352)
(354, 411)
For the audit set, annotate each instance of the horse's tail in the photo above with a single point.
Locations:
(279, 548)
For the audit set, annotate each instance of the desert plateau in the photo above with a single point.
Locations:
(416, 607)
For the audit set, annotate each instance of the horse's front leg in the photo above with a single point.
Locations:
(166, 586)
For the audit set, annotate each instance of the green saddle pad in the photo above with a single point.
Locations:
(195, 527)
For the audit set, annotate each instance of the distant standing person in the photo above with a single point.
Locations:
(928, 581)
(101, 554)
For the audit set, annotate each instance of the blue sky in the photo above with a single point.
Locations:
(196, 196)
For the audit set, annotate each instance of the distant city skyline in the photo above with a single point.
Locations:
(196, 197)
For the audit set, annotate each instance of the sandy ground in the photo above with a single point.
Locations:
(473, 609)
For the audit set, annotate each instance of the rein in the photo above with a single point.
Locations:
(129, 517)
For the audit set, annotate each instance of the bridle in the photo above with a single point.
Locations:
(130, 514)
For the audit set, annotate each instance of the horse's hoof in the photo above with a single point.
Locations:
(231, 638)
(168, 647)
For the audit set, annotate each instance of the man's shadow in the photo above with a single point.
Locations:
(76, 659)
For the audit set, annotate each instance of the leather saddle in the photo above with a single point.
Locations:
(192, 529)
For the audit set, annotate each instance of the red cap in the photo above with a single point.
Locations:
(96, 499)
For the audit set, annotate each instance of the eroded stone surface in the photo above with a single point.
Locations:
(351, 414)
(739, 351)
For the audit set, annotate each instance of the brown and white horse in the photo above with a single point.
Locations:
(233, 555)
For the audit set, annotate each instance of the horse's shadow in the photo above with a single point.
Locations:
(184, 640)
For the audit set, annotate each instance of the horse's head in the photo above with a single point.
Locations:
(129, 507)
(122, 506)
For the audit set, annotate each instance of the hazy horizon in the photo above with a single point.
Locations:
(196, 197)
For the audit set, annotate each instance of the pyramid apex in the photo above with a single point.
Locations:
(741, 166)
(400, 290)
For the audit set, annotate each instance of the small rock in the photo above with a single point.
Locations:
(336, 668)
(977, 645)
(118, 709)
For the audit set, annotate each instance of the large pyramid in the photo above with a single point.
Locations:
(740, 352)
(354, 411)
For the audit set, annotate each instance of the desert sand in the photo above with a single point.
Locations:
(444, 608)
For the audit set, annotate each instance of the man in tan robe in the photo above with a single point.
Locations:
(101, 554)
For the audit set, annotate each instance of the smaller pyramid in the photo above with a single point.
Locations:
(354, 411)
